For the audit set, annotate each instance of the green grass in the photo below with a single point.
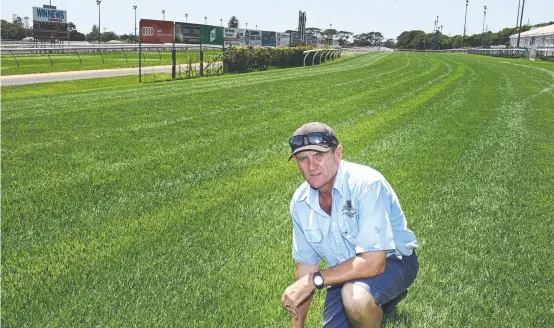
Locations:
(166, 204)
(41, 63)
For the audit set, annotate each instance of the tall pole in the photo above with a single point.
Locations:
(484, 17)
(465, 21)
(205, 20)
(135, 8)
(99, 35)
(520, 20)
(517, 18)
(246, 25)
(221, 21)
(163, 13)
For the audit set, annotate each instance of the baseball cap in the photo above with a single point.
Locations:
(314, 136)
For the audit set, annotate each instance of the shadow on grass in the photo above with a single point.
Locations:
(397, 319)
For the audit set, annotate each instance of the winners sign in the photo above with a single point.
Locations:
(156, 31)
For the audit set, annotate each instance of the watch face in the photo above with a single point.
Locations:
(318, 280)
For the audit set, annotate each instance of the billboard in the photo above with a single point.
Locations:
(50, 31)
(268, 39)
(49, 15)
(212, 35)
(188, 33)
(283, 39)
(295, 39)
(253, 38)
(234, 37)
(156, 31)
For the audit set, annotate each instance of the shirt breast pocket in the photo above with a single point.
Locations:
(349, 228)
(314, 238)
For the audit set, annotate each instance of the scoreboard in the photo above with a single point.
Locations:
(48, 26)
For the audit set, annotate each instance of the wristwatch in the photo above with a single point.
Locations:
(318, 280)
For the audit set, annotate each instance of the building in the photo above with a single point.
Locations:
(540, 37)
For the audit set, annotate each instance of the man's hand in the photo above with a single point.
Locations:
(296, 294)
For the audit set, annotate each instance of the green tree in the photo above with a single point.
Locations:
(315, 31)
(390, 43)
(233, 22)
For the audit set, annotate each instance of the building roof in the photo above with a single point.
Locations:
(545, 30)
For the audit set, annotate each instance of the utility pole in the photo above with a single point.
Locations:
(135, 8)
(521, 19)
(465, 21)
(99, 35)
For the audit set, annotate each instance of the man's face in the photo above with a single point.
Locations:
(319, 169)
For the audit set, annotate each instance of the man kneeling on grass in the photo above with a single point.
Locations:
(348, 215)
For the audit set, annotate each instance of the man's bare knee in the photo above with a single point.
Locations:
(360, 306)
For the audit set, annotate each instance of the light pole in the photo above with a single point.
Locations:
(135, 8)
(246, 25)
(205, 20)
(163, 13)
(483, 33)
(256, 26)
(221, 21)
(465, 21)
(521, 19)
(186, 18)
(98, 3)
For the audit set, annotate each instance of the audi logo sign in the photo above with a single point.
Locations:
(156, 31)
(147, 31)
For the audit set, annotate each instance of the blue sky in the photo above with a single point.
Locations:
(389, 17)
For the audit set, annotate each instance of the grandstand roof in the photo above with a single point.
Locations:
(545, 30)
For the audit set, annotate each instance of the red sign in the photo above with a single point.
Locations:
(156, 31)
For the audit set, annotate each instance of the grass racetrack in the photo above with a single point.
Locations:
(42, 63)
(166, 204)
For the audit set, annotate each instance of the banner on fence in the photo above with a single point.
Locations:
(253, 38)
(268, 39)
(295, 39)
(188, 33)
(156, 31)
(212, 35)
(234, 37)
(49, 15)
(283, 39)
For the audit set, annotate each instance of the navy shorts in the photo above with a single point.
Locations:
(398, 276)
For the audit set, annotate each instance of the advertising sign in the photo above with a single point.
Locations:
(188, 33)
(295, 39)
(268, 39)
(283, 40)
(212, 35)
(156, 31)
(253, 38)
(311, 40)
(234, 37)
(49, 15)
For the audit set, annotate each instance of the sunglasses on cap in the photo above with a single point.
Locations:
(313, 138)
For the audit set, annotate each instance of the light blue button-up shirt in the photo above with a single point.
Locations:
(366, 216)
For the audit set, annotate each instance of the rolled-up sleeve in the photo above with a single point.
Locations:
(302, 251)
(374, 219)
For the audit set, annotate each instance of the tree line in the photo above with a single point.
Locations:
(419, 40)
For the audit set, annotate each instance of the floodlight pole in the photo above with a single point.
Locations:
(98, 3)
(186, 18)
(205, 20)
(135, 8)
(465, 21)
(520, 20)
(163, 13)
(221, 21)
(483, 33)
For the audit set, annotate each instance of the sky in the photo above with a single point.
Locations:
(390, 17)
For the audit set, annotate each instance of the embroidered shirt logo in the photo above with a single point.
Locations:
(348, 210)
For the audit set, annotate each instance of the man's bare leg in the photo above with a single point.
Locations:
(360, 307)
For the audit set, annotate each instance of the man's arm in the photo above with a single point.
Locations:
(301, 271)
(363, 265)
